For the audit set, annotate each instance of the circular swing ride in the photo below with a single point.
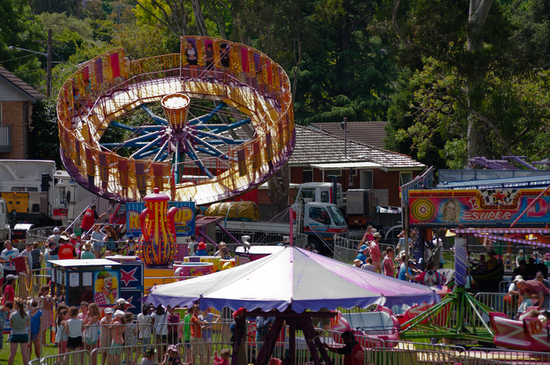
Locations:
(206, 124)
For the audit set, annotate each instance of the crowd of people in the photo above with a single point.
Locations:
(113, 331)
(110, 330)
(401, 267)
(529, 273)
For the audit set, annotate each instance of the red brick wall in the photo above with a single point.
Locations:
(13, 114)
(387, 180)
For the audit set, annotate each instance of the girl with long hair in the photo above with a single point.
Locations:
(110, 238)
(61, 336)
(90, 325)
(47, 306)
(19, 321)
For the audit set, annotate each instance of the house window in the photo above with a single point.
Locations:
(333, 172)
(405, 177)
(307, 175)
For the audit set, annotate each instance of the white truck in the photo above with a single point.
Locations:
(33, 191)
(321, 220)
(4, 223)
(360, 207)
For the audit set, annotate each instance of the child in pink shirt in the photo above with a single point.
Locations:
(224, 357)
(389, 267)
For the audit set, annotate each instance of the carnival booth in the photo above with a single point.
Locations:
(131, 281)
(94, 281)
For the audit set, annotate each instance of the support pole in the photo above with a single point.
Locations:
(49, 65)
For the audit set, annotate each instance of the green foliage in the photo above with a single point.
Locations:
(20, 28)
(401, 116)
(102, 30)
(532, 36)
(346, 75)
(488, 91)
(130, 37)
(43, 132)
(61, 22)
(513, 113)
(54, 6)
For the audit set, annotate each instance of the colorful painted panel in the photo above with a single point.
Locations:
(134, 298)
(106, 287)
(472, 208)
(184, 219)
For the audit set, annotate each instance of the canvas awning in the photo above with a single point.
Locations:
(292, 278)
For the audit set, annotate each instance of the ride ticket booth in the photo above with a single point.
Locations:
(94, 281)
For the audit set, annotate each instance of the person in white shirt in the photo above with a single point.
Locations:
(7, 256)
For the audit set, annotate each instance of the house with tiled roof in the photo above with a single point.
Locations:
(371, 133)
(357, 165)
(16, 101)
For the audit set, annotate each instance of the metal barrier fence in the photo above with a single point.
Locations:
(258, 238)
(481, 356)
(346, 249)
(81, 357)
(376, 351)
(496, 301)
(29, 284)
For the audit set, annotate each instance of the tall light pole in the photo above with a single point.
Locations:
(344, 126)
(49, 65)
(48, 55)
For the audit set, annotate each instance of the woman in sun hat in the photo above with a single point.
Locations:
(362, 255)
(87, 248)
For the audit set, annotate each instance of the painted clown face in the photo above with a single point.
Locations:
(108, 281)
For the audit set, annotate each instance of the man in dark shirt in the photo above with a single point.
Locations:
(352, 351)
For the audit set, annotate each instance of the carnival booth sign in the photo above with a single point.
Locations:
(97, 281)
(478, 207)
(131, 281)
(184, 219)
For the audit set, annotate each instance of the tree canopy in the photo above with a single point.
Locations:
(455, 78)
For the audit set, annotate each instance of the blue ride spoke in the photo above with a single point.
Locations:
(139, 129)
(207, 117)
(222, 128)
(227, 140)
(205, 143)
(151, 144)
(157, 119)
(193, 155)
(161, 152)
(149, 153)
(134, 142)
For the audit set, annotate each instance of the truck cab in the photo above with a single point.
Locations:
(322, 220)
(321, 192)
(4, 221)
